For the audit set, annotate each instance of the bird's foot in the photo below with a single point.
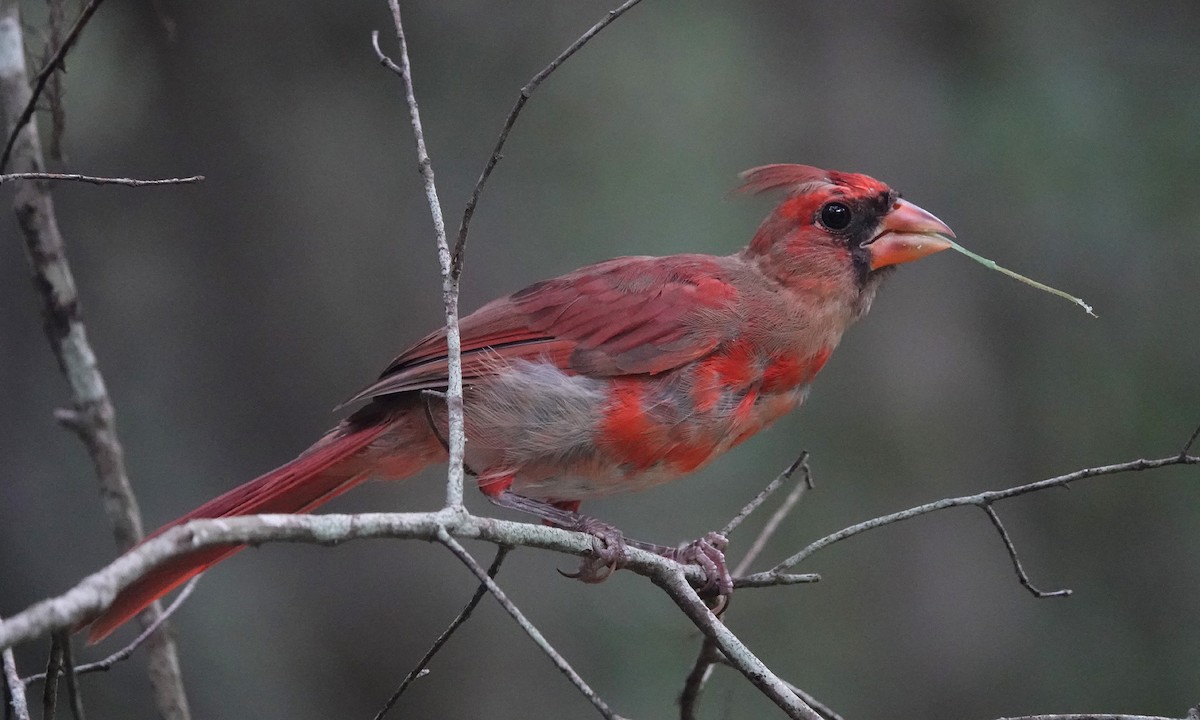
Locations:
(608, 550)
(608, 543)
(708, 552)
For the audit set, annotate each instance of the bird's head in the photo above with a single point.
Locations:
(838, 233)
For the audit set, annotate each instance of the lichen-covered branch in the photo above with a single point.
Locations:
(92, 416)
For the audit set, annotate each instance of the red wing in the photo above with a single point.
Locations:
(628, 316)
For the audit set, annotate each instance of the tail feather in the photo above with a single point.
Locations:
(336, 463)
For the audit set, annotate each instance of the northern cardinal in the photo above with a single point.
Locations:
(613, 378)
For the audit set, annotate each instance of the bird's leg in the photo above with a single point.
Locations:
(608, 543)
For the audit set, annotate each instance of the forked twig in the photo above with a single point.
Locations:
(420, 670)
(454, 389)
(107, 663)
(981, 499)
(534, 634)
(473, 200)
(740, 657)
(828, 712)
(1022, 577)
(68, 669)
(693, 686)
(780, 514)
(43, 76)
(765, 493)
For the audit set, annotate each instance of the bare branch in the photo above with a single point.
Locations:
(1022, 577)
(693, 686)
(1090, 716)
(421, 667)
(107, 663)
(982, 499)
(95, 180)
(94, 593)
(43, 77)
(1187, 446)
(701, 671)
(826, 711)
(534, 634)
(764, 494)
(676, 585)
(526, 92)
(68, 669)
(454, 389)
(53, 672)
(780, 514)
(14, 689)
(64, 327)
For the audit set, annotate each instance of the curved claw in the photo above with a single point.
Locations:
(707, 552)
(609, 548)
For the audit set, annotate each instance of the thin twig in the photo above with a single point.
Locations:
(981, 499)
(1089, 716)
(68, 669)
(675, 584)
(1187, 446)
(825, 710)
(526, 92)
(65, 331)
(1022, 577)
(43, 77)
(454, 389)
(697, 679)
(701, 671)
(534, 634)
(95, 180)
(14, 688)
(777, 518)
(764, 494)
(107, 663)
(420, 670)
(53, 672)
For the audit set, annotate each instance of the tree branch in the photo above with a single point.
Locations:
(1092, 716)
(64, 327)
(43, 76)
(94, 593)
(469, 211)
(693, 686)
(95, 180)
(982, 499)
(420, 670)
(534, 634)
(107, 663)
(677, 587)
(1022, 577)
(454, 391)
(14, 689)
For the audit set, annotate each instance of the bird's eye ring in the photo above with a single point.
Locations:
(835, 216)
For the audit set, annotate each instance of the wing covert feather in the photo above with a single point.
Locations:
(627, 316)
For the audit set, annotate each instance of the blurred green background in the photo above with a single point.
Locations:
(1059, 138)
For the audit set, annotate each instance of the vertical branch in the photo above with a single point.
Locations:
(14, 689)
(92, 416)
(456, 436)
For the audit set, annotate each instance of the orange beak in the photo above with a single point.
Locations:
(907, 233)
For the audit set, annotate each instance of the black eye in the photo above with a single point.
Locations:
(835, 216)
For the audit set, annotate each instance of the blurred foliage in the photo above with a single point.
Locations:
(1058, 138)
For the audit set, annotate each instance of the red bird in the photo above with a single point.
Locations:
(613, 378)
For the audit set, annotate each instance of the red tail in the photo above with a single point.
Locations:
(338, 462)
